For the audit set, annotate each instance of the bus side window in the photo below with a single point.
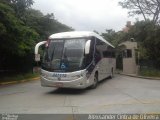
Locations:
(107, 54)
(98, 50)
(97, 55)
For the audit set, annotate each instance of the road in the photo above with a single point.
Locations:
(121, 94)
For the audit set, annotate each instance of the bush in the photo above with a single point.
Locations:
(149, 72)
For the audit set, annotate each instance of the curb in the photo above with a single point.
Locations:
(143, 77)
(19, 81)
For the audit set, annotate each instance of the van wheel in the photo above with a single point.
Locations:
(95, 83)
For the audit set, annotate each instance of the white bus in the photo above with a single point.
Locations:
(76, 60)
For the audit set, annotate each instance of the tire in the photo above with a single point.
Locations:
(95, 82)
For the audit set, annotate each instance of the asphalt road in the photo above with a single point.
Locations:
(121, 94)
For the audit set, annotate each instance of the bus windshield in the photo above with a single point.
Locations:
(64, 55)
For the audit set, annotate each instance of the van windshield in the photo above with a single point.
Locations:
(64, 55)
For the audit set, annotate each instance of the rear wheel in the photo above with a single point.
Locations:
(95, 83)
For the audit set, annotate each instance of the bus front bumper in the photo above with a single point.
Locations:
(79, 83)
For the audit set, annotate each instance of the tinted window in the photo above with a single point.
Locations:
(64, 55)
(127, 53)
(101, 47)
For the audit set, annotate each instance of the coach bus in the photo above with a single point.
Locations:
(76, 60)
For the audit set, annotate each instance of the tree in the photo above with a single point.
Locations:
(20, 7)
(45, 25)
(17, 40)
(96, 31)
(149, 9)
(111, 36)
(14, 33)
(18, 36)
(147, 34)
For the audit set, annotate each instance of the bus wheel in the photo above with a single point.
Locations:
(95, 83)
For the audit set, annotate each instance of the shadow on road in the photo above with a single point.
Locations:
(67, 91)
(104, 80)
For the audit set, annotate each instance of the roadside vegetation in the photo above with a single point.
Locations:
(19, 77)
(21, 27)
(149, 72)
(145, 32)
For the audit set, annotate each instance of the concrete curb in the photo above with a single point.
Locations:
(143, 77)
(19, 81)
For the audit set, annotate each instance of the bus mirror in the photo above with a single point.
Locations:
(87, 47)
(37, 57)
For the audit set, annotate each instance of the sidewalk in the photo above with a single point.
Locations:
(19, 81)
(138, 76)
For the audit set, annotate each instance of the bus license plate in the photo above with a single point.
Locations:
(59, 75)
(58, 84)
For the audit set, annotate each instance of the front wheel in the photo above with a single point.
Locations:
(95, 83)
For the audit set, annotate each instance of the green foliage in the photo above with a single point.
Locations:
(19, 77)
(149, 72)
(45, 25)
(20, 7)
(147, 34)
(16, 37)
(149, 9)
(113, 37)
(21, 28)
(3, 29)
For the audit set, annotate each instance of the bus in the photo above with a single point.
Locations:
(77, 59)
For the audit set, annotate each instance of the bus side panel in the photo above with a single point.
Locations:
(107, 62)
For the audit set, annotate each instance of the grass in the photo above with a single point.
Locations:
(149, 72)
(19, 77)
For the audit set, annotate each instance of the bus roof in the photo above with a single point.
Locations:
(75, 34)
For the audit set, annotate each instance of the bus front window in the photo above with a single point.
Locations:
(64, 55)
